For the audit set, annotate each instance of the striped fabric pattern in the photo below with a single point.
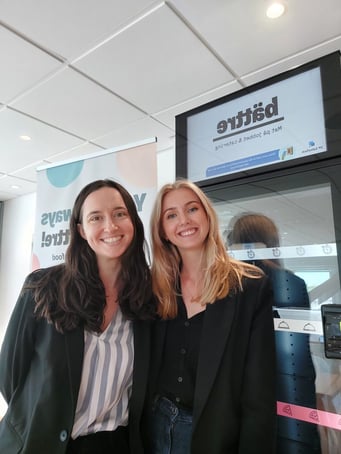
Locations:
(106, 380)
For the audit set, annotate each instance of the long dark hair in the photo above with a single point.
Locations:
(72, 294)
(249, 227)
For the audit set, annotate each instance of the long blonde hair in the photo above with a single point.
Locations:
(222, 274)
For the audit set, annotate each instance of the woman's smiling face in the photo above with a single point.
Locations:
(184, 220)
(106, 224)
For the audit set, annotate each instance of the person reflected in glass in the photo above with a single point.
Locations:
(295, 369)
(212, 382)
(74, 360)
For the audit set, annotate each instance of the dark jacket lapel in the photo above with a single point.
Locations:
(141, 363)
(215, 332)
(74, 351)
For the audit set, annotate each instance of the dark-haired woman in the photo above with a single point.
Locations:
(74, 361)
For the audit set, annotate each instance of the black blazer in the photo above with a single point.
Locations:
(40, 372)
(235, 403)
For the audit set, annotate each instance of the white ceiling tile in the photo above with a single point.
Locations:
(45, 140)
(167, 116)
(11, 187)
(171, 63)
(29, 172)
(70, 27)
(292, 62)
(77, 105)
(246, 39)
(76, 153)
(22, 65)
(136, 132)
(7, 195)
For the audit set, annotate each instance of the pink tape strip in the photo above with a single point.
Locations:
(323, 418)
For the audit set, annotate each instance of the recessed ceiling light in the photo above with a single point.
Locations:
(15, 186)
(24, 137)
(275, 9)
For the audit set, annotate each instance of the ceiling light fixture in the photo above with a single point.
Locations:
(24, 137)
(275, 9)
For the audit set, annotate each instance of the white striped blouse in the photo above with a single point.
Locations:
(106, 381)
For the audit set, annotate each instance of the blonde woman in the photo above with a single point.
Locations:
(212, 383)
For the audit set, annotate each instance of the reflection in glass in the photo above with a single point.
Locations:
(295, 369)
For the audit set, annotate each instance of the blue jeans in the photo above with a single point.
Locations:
(170, 428)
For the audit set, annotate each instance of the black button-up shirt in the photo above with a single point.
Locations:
(180, 357)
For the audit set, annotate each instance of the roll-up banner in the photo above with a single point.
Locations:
(134, 166)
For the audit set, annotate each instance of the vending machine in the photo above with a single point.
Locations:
(269, 157)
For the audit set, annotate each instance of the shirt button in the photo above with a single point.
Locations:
(63, 435)
(177, 400)
(179, 379)
(183, 351)
(186, 323)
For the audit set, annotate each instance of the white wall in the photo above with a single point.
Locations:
(16, 243)
(15, 256)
